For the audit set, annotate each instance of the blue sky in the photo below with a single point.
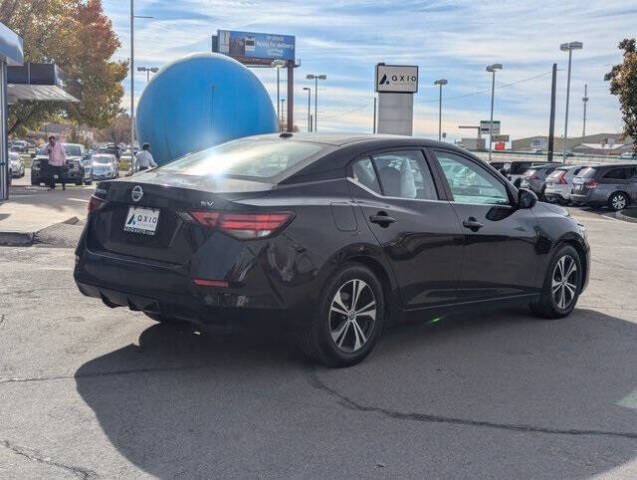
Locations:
(454, 39)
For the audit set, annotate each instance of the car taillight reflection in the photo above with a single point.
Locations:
(243, 225)
(592, 184)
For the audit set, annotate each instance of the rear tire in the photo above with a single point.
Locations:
(349, 319)
(562, 285)
(618, 201)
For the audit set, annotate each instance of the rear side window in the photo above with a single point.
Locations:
(404, 174)
(616, 174)
(587, 172)
(363, 172)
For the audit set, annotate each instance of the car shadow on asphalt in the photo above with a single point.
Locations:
(184, 402)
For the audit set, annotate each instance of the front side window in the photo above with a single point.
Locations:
(471, 183)
(404, 174)
(260, 159)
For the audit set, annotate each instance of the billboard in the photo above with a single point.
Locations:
(253, 48)
(484, 127)
(396, 78)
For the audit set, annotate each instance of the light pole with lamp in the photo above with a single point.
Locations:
(278, 64)
(492, 69)
(440, 82)
(148, 70)
(316, 78)
(309, 101)
(568, 47)
(132, 69)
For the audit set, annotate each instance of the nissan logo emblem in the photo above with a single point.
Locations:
(137, 193)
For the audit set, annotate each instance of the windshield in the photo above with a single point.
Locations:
(72, 150)
(251, 158)
(104, 159)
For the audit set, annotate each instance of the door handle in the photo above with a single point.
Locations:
(382, 219)
(472, 224)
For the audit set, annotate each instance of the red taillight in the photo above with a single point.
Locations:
(202, 282)
(243, 225)
(592, 184)
(208, 219)
(95, 203)
(562, 178)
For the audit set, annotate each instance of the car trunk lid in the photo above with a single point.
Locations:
(165, 199)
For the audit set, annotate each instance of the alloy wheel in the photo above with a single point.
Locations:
(352, 315)
(564, 282)
(618, 201)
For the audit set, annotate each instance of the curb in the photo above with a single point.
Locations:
(27, 239)
(620, 216)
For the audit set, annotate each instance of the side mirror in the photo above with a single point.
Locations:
(526, 198)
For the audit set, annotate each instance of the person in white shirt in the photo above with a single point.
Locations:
(144, 158)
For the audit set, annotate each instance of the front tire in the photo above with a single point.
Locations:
(618, 201)
(349, 319)
(562, 285)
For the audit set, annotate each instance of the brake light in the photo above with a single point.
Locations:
(592, 184)
(202, 282)
(95, 203)
(208, 219)
(562, 178)
(243, 225)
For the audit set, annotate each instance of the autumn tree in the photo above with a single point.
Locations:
(623, 83)
(79, 38)
(118, 131)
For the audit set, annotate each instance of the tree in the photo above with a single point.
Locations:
(79, 38)
(623, 83)
(118, 131)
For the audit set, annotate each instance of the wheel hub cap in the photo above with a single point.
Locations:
(564, 282)
(352, 315)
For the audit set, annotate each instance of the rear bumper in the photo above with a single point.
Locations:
(590, 197)
(170, 291)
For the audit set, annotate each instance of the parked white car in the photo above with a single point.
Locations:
(104, 166)
(16, 165)
(558, 185)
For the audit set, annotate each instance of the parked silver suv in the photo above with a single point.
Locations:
(558, 185)
(612, 185)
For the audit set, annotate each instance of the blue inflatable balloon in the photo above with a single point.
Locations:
(200, 101)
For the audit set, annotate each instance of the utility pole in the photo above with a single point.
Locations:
(585, 100)
(552, 116)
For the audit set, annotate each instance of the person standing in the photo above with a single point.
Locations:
(57, 162)
(145, 159)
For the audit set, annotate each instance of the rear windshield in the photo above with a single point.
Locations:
(519, 167)
(245, 158)
(588, 172)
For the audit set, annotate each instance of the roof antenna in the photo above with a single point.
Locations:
(285, 135)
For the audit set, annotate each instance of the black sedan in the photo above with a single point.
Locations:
(331, 237)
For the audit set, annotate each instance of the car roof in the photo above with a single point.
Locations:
(343, 139)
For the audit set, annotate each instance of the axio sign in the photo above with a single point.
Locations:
(255, 48)
(396, 78)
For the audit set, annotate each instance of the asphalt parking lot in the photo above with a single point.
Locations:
(89, 392)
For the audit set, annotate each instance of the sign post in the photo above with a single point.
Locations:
(396, 85)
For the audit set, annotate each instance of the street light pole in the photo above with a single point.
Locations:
(316, 78)
(309, 100)
(132, 73)
(585, 100)
(568, 47)
(278, 64)
(440, 82)
(148, 70)
(492, 69)
(132, 69)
